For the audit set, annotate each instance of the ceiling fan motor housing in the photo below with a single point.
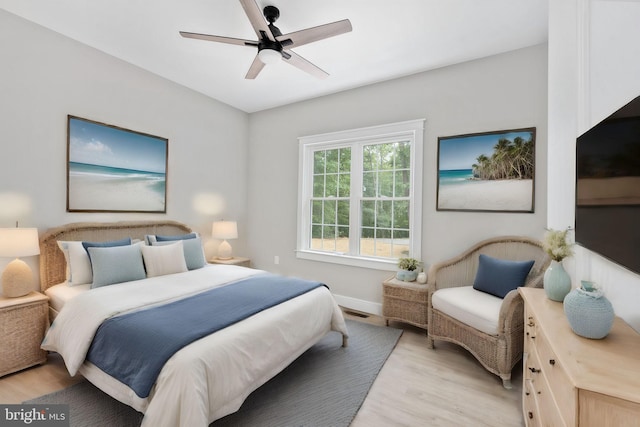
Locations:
(271, 13)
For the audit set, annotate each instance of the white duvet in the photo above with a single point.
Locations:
(211, 377)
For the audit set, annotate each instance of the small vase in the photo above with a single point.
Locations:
(422, 277)
(557, 282)
(406, 275)
(589, 312)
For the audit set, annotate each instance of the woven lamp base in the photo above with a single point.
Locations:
(16, 279)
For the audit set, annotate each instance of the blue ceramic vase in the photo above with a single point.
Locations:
(589, 312)
(557, 282)
(406, 275)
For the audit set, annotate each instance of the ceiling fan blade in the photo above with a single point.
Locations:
(212, 38)
(254, 70)
(306, 66)
(256, 18)
(299, 38)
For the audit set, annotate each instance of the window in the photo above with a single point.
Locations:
(360, 195)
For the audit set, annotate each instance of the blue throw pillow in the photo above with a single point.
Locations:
(500, 276)
(111, 243)
(173, 238)
(193, 254)
(116, 264)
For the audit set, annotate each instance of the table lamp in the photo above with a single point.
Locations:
(225, 230)
(18, 242)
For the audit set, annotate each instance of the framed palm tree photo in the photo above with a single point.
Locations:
(487, 172)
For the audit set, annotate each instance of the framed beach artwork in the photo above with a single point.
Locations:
(111, 169)
(487, 172)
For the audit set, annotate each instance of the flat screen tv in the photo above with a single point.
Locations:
(608, 187)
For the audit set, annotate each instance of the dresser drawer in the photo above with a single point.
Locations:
(542, 410)
(530, 405)
(554, 372)
(530, 329)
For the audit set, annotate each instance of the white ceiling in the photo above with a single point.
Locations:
(389, 39)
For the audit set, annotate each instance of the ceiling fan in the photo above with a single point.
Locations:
(272, 44)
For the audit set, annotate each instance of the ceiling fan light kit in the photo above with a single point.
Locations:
(269, 56)
(272, 44)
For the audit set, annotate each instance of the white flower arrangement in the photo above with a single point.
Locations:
(556, 245)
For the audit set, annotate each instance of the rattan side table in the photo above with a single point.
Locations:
(238, 260)
(23, 322)
(404, 302)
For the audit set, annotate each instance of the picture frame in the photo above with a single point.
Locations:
(113, 169)
(487, 171)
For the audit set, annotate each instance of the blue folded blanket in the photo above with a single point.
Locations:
(134, 347)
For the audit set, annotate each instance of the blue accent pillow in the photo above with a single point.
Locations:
(116, 264)
(192, 248)
(111, 243)
(500, 276)
(174, 238)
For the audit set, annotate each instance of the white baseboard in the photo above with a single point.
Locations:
(359, 304)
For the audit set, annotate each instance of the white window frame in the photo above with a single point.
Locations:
(413, 131)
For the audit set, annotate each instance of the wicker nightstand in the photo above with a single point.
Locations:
(244, 262)
(404, 302)
(23, 322)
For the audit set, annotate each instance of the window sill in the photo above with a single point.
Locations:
(354, 261)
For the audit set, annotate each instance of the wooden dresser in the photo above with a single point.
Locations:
(573, 381)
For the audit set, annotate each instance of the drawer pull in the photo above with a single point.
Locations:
(552, 362)
(530, 415)
(534, 370)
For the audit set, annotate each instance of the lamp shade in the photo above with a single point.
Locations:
(269, 56)
(19, 242)
(224, 230)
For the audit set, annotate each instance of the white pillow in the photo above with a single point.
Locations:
(193, 251)
(164, 259)
(78, 264)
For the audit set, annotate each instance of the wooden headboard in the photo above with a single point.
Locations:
(52, 262)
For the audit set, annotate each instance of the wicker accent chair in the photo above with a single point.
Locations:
(500, 352)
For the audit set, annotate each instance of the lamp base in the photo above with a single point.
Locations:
(16, 279)
(224, 250)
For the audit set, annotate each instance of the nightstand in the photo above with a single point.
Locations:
(23, 322)
(404, 302)
(243, 262)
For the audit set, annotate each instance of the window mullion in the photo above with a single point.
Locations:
(304, 216)
(355, 219)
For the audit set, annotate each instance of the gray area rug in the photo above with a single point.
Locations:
(324, 387)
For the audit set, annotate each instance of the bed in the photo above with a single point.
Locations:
(207, 378)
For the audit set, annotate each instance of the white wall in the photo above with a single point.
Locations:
(44, 76)
(594, 64)
(501, 92)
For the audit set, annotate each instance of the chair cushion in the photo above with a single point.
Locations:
(500, 276)
(474, 308)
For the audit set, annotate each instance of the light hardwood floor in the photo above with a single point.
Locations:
(446, 386)
(416, 387)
